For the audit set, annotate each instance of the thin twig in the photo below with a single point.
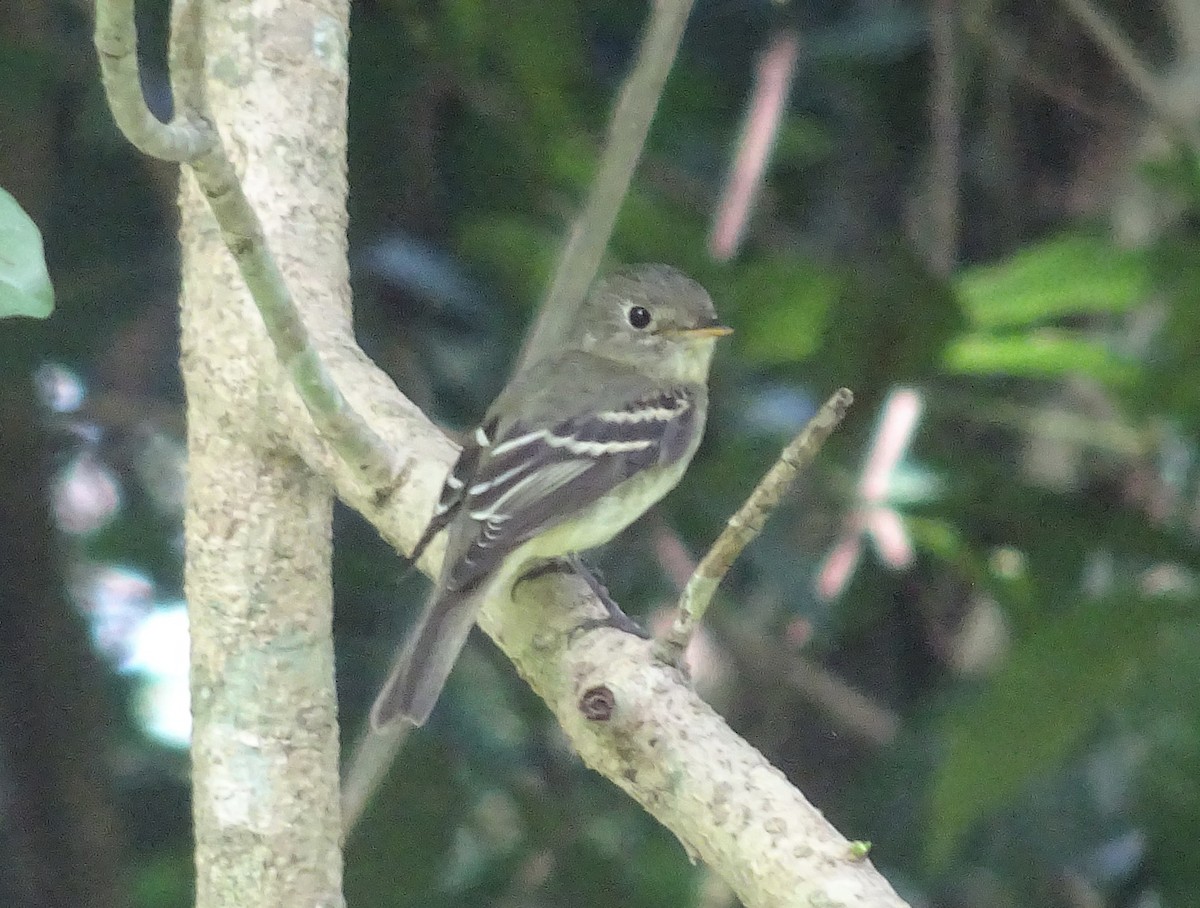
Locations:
(850, 710)
(627, 131)
(945, 127)
(1140, 76)
(370, 759)
(1025, 70)
(765, 661)
(342, 427)
(1185, 29)
(748, 522)
(191, 139)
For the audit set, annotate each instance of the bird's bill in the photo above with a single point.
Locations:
(704, 331)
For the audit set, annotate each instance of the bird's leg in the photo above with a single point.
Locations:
(616, 618)
(573, 564)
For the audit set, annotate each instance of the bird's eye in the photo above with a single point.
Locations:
(639, 317)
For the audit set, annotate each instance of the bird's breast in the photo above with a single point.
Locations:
(602, 520)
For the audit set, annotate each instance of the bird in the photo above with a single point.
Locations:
(578, 444)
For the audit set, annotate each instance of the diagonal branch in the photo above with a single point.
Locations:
(748, 523)
(1138, 74)
(338, 423)
(637, 721)
(581, 257)
(760, 131)
(1185, 22)
(643, 726)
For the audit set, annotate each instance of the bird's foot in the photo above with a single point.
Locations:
(573, 564)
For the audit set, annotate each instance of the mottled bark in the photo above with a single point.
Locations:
(258, 519)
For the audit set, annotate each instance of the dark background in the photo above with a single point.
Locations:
(1010, 717)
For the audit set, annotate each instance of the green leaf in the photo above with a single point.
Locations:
(1043, 354)
(24, 283)
(941, 539)
(783, 306)
(1067, 275)
(1041, 705)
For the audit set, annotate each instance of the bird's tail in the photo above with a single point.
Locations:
(423, 666)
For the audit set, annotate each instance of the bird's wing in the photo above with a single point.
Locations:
(534, 476)
(454, 489)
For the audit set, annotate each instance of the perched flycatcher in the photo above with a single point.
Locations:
(576, 447)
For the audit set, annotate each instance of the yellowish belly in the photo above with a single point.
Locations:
(601, 521)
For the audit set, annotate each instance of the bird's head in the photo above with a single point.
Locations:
(653, 317)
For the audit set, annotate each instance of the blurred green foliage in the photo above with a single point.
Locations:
(1050, 693)
(1039, 656)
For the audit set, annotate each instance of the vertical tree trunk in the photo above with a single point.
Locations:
(265, 741)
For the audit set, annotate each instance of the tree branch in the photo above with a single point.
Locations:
(655, 738)
(338, 422)
(631, 717)
(116, 43)
(1126, 60)
(945, 127)
(581, 257)
(192, 140)
(748, 523)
